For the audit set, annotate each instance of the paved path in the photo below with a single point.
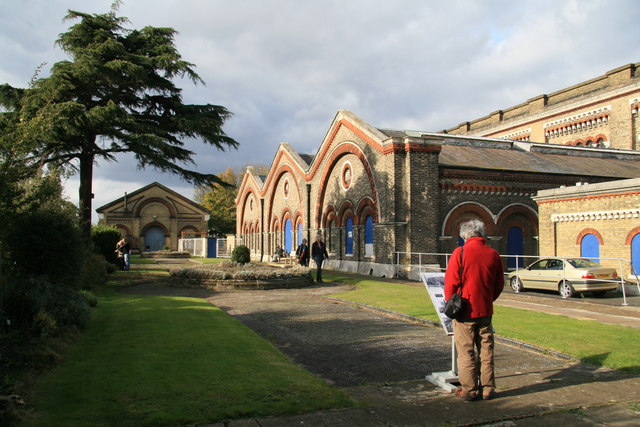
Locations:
(381, 362)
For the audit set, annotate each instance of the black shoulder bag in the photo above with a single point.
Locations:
(456, 306)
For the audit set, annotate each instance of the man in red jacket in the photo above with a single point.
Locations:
(482, 282)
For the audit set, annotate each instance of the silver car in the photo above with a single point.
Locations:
(567, 276)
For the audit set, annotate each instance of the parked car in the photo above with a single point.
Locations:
(567, 276)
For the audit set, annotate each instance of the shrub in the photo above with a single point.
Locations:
(241, 255)
(44, 324)
(94, 271)
(91, 298)
(45, 243)
(104, 239)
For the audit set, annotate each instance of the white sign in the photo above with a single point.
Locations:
(434, 282)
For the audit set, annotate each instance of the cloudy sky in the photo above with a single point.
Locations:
(284, 67)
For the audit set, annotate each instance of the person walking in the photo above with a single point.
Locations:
(303, 253)
(123, 248)
(319, 254)
(482, 282)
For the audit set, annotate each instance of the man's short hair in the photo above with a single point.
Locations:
(472, 228)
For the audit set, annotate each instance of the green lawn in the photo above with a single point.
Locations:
(147, 360)
(613, 346)
(137, 259)
(211, 260)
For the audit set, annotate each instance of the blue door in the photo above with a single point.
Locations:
(154, 239)
(287, 236)
(300, 234)
(368, 236)
(635, 253)
(590, 247)
(349, 240)
(212, 247)
(515, 246)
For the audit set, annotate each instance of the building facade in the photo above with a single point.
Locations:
(595, 220)
(602, 112)
(154, 217)
(377, 194)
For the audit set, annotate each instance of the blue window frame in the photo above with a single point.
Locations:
(288, 236)
(300, 234)
(635, 253)
(590, 247)
(349, 238)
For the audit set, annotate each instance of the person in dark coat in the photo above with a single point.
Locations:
(482, 282)
(319, 254)
(303, 253)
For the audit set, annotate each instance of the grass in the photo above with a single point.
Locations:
(137, 259)
(592, 342)
(148, 360)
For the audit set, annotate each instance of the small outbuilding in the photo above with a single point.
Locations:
(154, 217)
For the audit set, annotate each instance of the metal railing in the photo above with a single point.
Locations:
(418, 260)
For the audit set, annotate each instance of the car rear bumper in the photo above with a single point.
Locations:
(594, 285)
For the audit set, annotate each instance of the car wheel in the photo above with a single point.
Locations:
(599, 294)
(516, 284)
(566, 290)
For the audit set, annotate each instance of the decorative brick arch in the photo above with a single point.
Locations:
(257, 226)
(366, 207)
(634, 231)
(169, 206)
(330, 214)
(342, 150)
(275, 225)
(245, 196)
(144, 229)
(347, 210)
(504, 220)
(286, 214)
(298, 219)
(280, 172)
(452, 219)
(589, 231)
(124, 228)
(188, 227)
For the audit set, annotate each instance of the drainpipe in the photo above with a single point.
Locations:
(261, 230)
(309, 214)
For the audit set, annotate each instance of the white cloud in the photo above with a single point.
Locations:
(284, 67)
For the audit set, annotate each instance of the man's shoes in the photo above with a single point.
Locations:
(488, 395)
(467, 397)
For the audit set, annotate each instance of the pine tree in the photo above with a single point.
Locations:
(116, 94)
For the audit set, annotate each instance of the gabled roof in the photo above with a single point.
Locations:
(145, 188)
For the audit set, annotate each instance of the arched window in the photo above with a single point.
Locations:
(590, 247)
(330, 228)
(288, 236)
(368, 236)
(300, 234)
(349, 236)
(515, 246)
(600, 143)
(635, 253)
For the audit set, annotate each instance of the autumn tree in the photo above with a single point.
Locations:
(219, 200)
(115, 94)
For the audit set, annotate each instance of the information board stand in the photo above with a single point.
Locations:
(434, 283)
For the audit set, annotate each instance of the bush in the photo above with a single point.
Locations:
(104, 239)
(44, 324)
(45, 243)
(94, 272)
(91, 298)
(241, 255)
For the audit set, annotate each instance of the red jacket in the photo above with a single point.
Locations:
(482, 274)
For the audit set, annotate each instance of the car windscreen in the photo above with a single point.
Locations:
(583, 263)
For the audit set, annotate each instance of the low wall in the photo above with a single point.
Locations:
(410, 272)
(251, 285)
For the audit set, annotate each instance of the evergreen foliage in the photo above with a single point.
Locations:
(241, 255)
(115, 94)
(104, 239)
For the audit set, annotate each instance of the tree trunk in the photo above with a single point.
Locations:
(86, 195)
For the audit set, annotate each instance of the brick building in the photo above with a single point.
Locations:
(595, 220)
(374, 193)
(154, 217)
(601, 112)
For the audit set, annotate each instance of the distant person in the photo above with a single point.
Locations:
(303, 253)
(319, 254)
(277, 254)
(482, 282)
(123, 248)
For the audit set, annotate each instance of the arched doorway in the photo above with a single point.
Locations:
(368, 236)
(635, 254)
(590, 247)
(154, 239)
(288, 236)
(515, 246)
(349, 239)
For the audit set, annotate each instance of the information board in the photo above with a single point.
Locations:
(434, 282)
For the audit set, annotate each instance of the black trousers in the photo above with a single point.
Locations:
(319, 270)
